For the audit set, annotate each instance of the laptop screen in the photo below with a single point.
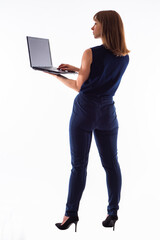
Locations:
(39, 52)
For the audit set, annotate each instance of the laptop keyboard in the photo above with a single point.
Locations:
(55, 69)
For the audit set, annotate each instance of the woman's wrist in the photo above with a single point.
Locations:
(77, 69)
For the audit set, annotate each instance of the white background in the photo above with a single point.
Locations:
(35, 109)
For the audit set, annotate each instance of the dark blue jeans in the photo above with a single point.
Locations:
(93, 115)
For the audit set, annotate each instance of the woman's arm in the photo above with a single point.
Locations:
(83, 75)
(84, 69)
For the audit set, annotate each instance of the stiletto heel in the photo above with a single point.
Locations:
(76, 226)
(110, 221)
(68, 223)
(113, 226)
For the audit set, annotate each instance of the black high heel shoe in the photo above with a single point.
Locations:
(110, 221)
(68, 223)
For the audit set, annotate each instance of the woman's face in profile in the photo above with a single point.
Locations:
(97, 29)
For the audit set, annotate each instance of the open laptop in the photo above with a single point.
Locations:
(40, 55)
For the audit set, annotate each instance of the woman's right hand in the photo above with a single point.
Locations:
(68, 67)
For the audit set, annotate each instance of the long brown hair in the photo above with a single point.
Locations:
(113, 36)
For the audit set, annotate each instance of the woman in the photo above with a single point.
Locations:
(99, 76)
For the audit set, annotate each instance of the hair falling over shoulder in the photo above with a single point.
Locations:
(113, 35)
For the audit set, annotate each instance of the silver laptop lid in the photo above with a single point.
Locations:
(39, 52)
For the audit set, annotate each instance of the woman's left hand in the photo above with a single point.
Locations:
(55, 75)
(58, 76)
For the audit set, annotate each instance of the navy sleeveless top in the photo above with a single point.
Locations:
(105, 73)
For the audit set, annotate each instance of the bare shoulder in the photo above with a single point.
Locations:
(87, 55)
(88, 52)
